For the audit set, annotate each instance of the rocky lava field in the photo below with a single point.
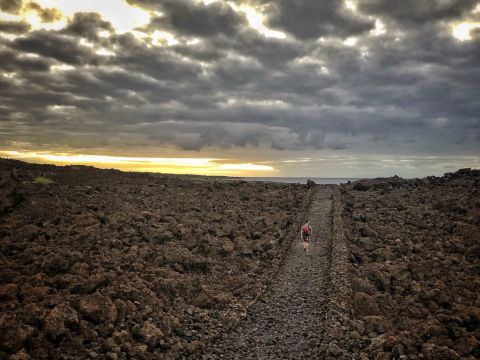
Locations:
(102, 264)
(111, 265)
(414, 268)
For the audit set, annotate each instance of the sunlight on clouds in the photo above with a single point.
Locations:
(351, 41)
(104, 34)
(10, 37)
(256, 21)
(13, 78)
(162, 37)
(296, 161)
(32, 17)
(462, 31)
(35, 21)
(104, 52)
(266, 103)
(61, 108)
(193, 41)
(245, 167)
(207, 2)
(157, 38)
(379, 28)
(61, 67)
(351, 5)
(123, 16)
(140, 35)
(199, 166)
(8, 17)
(86, 43)
(313, 61)
(9, 75)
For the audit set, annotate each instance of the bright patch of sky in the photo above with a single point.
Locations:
(123, 16)
(351, 5)
(162, 38)
(379, 28)
(351, 41)
(463, 30)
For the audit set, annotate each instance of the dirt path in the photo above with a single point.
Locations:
(286, 323)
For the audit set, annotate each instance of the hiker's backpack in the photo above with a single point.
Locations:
(306, 229)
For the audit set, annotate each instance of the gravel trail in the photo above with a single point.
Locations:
(286, 323)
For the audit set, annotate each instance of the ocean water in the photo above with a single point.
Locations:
(301, 180)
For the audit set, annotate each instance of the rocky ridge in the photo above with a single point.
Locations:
(413, 268)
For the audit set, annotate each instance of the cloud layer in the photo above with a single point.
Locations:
(367, 76)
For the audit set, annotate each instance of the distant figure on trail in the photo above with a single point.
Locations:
(305, 233)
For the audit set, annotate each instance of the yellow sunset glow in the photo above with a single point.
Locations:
(198, 166)
(33, 19)
(462, 31)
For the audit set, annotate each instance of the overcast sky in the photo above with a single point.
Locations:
(267, 88)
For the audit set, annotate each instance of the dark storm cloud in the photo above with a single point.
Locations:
(270, 52)
(14, 27)
(417, 11)
(188, 136)
(197, 19)
(12, 62)
(248, 43)
(11, 6)
(56, 46)
(157, 62)
(206, 52)
(411, 89)
(311, 19)
(87, 25)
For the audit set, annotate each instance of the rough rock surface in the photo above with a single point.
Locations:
(111, 265)
(107, 265)
(414, 267)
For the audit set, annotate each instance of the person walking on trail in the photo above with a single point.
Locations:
(305, 233)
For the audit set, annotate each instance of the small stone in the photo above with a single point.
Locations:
(334, 350)
(21, 355)
(110, 344)
(111, 356)
(228, 247)
(148, 334)
(8, 291)
(59, 319)
(367, 232)
(98, 308)
(365, 305)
